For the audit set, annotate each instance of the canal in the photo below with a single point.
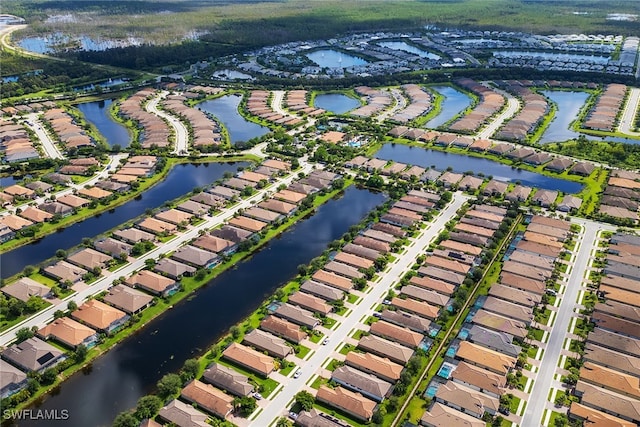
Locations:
(336, 103)
(225, 109)
(180, 180)
(97, 113)
(131, 369)
(453, 103)
(461, 163)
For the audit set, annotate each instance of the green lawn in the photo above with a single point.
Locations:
(286, 371)
(315, 338)
(265, 385)
(358, 334)
(302, 352)
(537, 333)
(352, 298)
(318, 382)
(347, 348)
(334, 364)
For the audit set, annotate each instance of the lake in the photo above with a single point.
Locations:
(180, 180)
(406, 47)
(568, 105)
(97, 113)
(461, 163)
(47, 44)
(336, 103)
(453, 103)
(329, 58)
(231, 75)
(225, 109)
(131, 369)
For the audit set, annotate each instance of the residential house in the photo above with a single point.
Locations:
(157, 226)
(100, 316)
(283, 329)
(174, 216)
(74, 201)
(569, 203)
(25, 288)
(183, 415)
(466, 399)
(35, 215)
(347, 401)
(214, 244)
(385, 348)
(401, 335)
(133, 235)
(479, 379)
(69, 332)
(12, 380)
(33, 354)
(208, 398)
(544, 198)
(113, 247)
(297, 315)
(264, 341)
(440, 415)
(314, 418)
(127, 299)
(310, 302)
(89, 258)
(407, 320)
(485, 358)
(56, 208)
(249, 359)
(196, 257)
(63, 271)
(368, 385)
(153, 283)
(380, 367)
(248, 224)
(228, 379)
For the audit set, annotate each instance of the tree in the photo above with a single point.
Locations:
(245, 405)
(23, 334)
(148, 407)
(359, 282)
(190, 369)
(375, 181)
(380, 263)
(169, 385)
(48, 376)
(126, 419)
(305, 400)
(80, 354)
(61, 253)
(236, 332)
(283, 422)
(58, 314)
(201, 274)
(72, 306)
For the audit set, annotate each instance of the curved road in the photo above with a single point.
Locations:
(179, 129)
(401, 104)
(513, 105)
(48, 146)
(629, 113)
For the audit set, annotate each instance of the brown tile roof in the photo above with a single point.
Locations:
(94, 193)
(353, 260)
(89, 258)
(227, 379)
(173, 216)
(97, 314)
(612, 359)
(247, 223)
(150, 281)
(283, 328)
(24, 288)
(399, 334)
(67, 331)
(249, 358)
(333, 280)
(472, 401)
(310, 302)
(14, 222)
(597, 418)
(35, 214)
(264, 341)
(183, 415)
(127, 299)
(385, 348)
(352, 403)
(418, 307)
(611, 379)
(376, 365)
(277, 206)
(443, 416)
(607, 400)
(500, 323)
(483, 357)
(156, 226)
(479, 377)
(208, 398)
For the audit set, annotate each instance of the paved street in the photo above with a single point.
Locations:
(629, 113)
(400, 104)
(45, 316)
(277, 407)
(513, 105)
(48, 146)
(544, 379)
(180, 132)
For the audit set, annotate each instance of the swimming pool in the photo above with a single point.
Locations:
(445, 370)
(431, 391)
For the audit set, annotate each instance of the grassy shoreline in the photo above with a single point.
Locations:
(145, 185)
(189, 286)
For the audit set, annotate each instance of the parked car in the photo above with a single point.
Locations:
(297, 373)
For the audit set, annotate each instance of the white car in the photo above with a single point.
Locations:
(326, 341)
(258, 396)
(297, 374)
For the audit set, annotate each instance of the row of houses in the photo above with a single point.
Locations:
(605, 112)
(258, 104)
(204, 130)
(490, 103)
(368, 374)
(608, 385)
(15, 143)
(472, 377)
(153, 130)
(420, 103)
(530, 115)
(621, 197)
(376, 100)
(22, 109)
(70, 134)
(135, 168)
(510, 151)
(297, 100)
